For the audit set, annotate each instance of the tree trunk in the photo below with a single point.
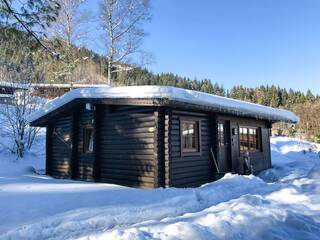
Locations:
(109, 70)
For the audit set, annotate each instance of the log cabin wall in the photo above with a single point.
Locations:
(127, 146)
(59, 147)
(159, 147)
(84, 161)
(140, 146)
(167, 146)
(188, 170)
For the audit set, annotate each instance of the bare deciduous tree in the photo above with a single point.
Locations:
(29, 15)
(18, 71)
(70, 26)
(70, 30)
(22, 104)
(122, 22)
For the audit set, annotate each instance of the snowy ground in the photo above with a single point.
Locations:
(283, 203)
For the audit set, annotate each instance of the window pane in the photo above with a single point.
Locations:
(249, 139)
(221, 136)
(190, 136)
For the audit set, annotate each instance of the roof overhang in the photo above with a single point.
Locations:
(160, 102)
(159, 96)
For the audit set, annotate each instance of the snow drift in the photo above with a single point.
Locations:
(282, 203)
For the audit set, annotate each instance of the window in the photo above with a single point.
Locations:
(221, 134)
(249, 139)
(89, 107)
(88, 140)
(190, 142)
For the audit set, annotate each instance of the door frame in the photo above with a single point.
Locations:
(227, 161)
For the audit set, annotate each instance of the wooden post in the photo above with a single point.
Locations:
(98, 112)
(48, 149)
(167, 142)
(159, 145)
(75, 141)
(213, 139)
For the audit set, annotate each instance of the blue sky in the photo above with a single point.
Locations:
(248, 42)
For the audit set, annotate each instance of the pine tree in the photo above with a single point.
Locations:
(309, 96)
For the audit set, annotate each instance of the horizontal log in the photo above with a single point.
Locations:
(61, 148)
(134, 167)
(127, 177)
(124, 116)
(191, 169)
(111, 142)
(128, 183)
(127, 161)
(132, 130)
(60, 159)
(60, 168)
(131, 109)
(85, 164)
(128, 151)
(184, 164)
(130, 135)
(125, 172)
(85, 161)
(141, 147)
(127, 124)
(120, 156)
(201, 174)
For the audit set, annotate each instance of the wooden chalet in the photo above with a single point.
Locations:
(152, 136)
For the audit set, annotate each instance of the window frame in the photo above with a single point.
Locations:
(258, 139)
(84, 139)
(186, 151)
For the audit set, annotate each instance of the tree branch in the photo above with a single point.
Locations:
(14, 14)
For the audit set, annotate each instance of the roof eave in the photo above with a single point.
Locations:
(45, 119)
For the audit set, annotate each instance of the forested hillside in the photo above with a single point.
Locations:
(305, 105)
(80, 65)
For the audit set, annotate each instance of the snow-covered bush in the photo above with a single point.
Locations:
(19, 74)
(15, 115)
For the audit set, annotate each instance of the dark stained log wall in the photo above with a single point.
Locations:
(159, 147)
(85, 161)
(48, 148)
(140, 146)
(61, 150)
(193, 170)
(167, 146)
(100, 109)
(128, 154)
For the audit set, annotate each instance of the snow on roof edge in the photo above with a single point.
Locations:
(172, 93)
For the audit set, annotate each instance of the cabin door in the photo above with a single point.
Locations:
(224, 146)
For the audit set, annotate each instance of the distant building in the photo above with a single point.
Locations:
(44, 90)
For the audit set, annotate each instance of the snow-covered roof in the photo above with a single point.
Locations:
(172, 94)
